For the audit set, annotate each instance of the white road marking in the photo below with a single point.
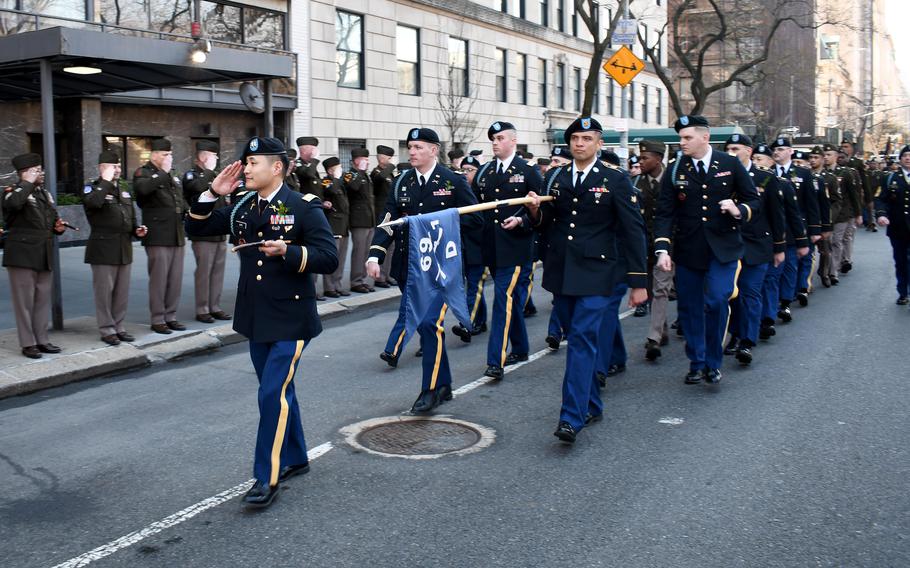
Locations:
(206, 504)
(671, 421)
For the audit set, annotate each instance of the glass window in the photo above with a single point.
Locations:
(172, 16)
(500, 65)
(345, 145)
(458, 66)
(611, 95)
(644, 103)
(576, 88)
(561, 85)
(631, 100)
(561, 15)
(407, 48)
(126, 13)
(542, 81)
(221, 21)
(660, 106)
(522, 63)
(521, 9)
(349, 49)
(263, 28)
(74, 9)
(504, 6)
(545, 12)
(597, 96)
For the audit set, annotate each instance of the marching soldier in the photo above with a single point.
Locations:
(425, 188)
(892, 210)
(382, 177)
(305, 167)
(834, 201)
(359, 189)
(634, 167)
(807, 265)
(209, 252)
(31, 221)
(110, 213)
(559, 156)
(456, 157)
(159, 196)
(855, 162)
(338, 212)
(846, 261)
(697, 205)
(276, 307)
(474, 270)
(291, 178)
(508, 253)
(594, 210)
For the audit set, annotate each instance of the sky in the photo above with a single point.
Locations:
(898, 14)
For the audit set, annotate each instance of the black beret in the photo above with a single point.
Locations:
(828, 147)
(264, 147)
(330, 163)
(738, 139)
(519, 154)
(781, 143)
(800, 155)
(817, 150)
(456, 153)
(161, 145)
(686, 121)
(476, 152)
(385, 150)
(206, 146)
(633, 160)
(402, 166)
(108, 157)
(561, 151)
(904, 150)
(292, 153)
(308, 141)
(847, 141)
(360, 153)
(582, 124)
(655, 146)
(763, 150)
(424, 134)
(609, 156)
(26, 161)
(498, 127)
(471, 161)
(528, 155)
(543, 161)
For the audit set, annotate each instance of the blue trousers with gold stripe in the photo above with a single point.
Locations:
(475, 277)
(789, 270)
(804, 270)
(396, 343)
(770, 291)
(507, 325)
(433, 343)
(747, 308)
(612, 349)
(586, 318)
(703, 301)
(279, 441)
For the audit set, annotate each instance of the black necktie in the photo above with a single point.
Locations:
(578, 175)
(421, 181)
(782, 172)
(263, 203)
(701, 168)
(499, 169)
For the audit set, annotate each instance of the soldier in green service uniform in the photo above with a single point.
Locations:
(209, 252)
(305, 170)
(382, 176)
(110, 213)
(160, 197)
(359, 189)
(831, 187)
(847, 208)
(856, 162)
(31, 222)
(338, 213)
(856, 200)
(291, 177)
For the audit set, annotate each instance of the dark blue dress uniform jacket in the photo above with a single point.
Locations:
(688, 215)
(590, 232)
(276, 298)
(766, 233)
(892, 200)
(444, 189)
(796, 224)
(807, 189)
(513, 247)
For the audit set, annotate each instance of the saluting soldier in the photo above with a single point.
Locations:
(276, 308)
(475, 272)
(160, 197)
(291, 178)
(702, 205)
(425, 188)
(209, 252)
(305, 167)
(359, 189)
(507, 253)
(112, 217)
(382, 177)
(892, 210)
(594, 214)
(559, 156)
(765, 242)
(337, 211)
(30, 221)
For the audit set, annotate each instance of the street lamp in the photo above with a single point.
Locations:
(200, 50)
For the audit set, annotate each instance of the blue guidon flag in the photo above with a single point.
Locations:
(434, 267)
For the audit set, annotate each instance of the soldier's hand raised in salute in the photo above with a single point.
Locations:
(226, 182)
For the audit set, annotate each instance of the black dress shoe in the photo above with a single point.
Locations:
(462, 332)
(361, 289)
(161, 328)
(320, 298)
(679, 330)
(846, 267)
(419, 352)
(695, 377)
(614, 370)
(601, 379)
(124, 336)
(640, 311)
(552, 342)
(513, 358)
(730, 349)
(494, 372)
(766, 331)
(444, 393)
(652, 350)
(111, 339)
(675, 324)
(713, 376)
(565, 433)
(664, 340)
(903, 301)
(803, 298)
(427, 401)
(31, 352)
(260, 495)
(332, 294)
(344, 293)
(48, 348)
(744, 355)
(478, 329)
(205, 318)
(290, 471)
(593, 418)
(175, 325)
(222, 315)
(826, 282)
(382, 285)
(784, 314)
(834, 280)
(530, 311)
(392, 281)
(392, 360)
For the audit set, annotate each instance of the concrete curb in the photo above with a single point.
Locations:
(71, 367)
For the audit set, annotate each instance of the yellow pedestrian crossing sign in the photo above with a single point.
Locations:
(623, 66)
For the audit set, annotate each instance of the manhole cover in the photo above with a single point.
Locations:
(418, 437)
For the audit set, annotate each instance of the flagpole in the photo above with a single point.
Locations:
(479, 207)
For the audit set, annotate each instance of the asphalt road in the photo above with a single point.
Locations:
(800, 460)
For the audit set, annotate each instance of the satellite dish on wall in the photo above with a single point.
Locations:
(252, 98)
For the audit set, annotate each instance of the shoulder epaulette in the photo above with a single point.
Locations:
(309, 197)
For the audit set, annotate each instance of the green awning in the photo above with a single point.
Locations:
(719, 135)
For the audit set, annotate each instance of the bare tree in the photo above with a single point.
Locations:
(456, 100)
(589, 12)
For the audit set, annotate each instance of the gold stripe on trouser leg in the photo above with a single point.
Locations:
(505, 328)
(478, 296)
(439, 346)
(733, 296)
(283, 418)
(398, 343)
